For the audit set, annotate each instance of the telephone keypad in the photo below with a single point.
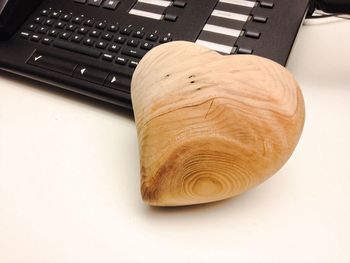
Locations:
(123, 45)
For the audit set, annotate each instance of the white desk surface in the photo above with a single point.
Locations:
(69, 179)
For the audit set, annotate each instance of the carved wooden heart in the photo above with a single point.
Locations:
(210, 126)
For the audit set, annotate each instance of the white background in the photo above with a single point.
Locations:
(69, 179)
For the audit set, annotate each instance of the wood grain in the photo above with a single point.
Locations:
(210, 126)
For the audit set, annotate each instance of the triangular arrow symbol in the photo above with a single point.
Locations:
(37, 58)
(114, 80)
(82, 71)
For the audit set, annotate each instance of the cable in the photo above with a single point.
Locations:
(327, 16)
(319, 14)
(337, 8)
(312, 8)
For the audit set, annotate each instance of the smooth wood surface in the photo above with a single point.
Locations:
(210, 126)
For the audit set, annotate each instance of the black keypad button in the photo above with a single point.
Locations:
(178, 3)
(77, 20)
(101, 44)
(113, 28)
(32, 27)
(66, 17)
(114, 48)
(35, 38)
(89, 22)
(152, 37)
(126, 31)
(120, 40)
(83, 30)
(49, 22)
(88, 42)
(24, 35)
(146, 46)
(132, 52)
(133, 63)
(266, 4)
(52, 63)
(139, 34)
(107, 57)
(90, 74)
(95, 33)
(46, 40)
(260, 19)
(165, 39)
(44, 12)
(55, 14)
(170, 17)
(95, 2)
(53, 33)
(43, 30)
(77, 39)
(80, 1)
(133, 43)
(101, 25)
(121, 60)
(110, 4)
(60, 25)
(118, 82)
(107, 36)
(38, 20)
(246, 51)
(71, 27)
(65, 35)
(252, 34)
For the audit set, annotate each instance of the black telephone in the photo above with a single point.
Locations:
(92, 47)
(13, 13)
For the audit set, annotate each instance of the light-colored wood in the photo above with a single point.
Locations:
(210, 126)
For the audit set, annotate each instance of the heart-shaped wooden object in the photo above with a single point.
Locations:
(211, 126)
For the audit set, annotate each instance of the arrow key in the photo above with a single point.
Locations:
(90, 74)
(118, 82)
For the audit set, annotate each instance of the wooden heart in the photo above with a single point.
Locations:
(210, 126)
